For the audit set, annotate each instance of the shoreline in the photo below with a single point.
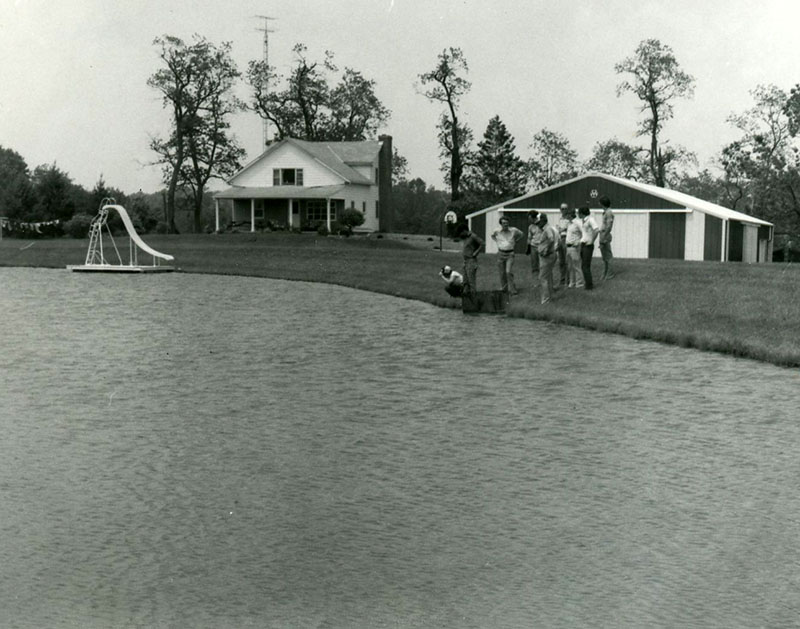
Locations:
(704, 306)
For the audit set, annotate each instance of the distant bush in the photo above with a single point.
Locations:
(322, 229)
(162, 227)
(349, 219)
(78, 226)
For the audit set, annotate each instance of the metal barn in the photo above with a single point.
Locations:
(649, 222)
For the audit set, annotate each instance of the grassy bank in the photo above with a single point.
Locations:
(739, 309)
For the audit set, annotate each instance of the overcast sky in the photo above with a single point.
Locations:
(73, 74)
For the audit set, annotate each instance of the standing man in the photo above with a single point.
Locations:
(574, 273)
(506, 238)
(562, 225)
(470, 250)
(588, 236)
(548, 245)
(605, 237)
(534, 236)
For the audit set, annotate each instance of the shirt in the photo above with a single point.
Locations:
(455, 278)
(605, 228)
(506, 239)
(588, 231)
(548, 240)
(471, 245)
(574, 232)
(562, 226)
(534, 235)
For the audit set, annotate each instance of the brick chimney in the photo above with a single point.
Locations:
(386, 218)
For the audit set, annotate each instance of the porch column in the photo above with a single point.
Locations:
(216, 215)
(289, 218)
(328, 213)
(252, 215)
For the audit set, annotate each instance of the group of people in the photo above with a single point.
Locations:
(567, 246)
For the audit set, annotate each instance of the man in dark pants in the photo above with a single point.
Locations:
(588, 236)
(470, 249)
(604, 240)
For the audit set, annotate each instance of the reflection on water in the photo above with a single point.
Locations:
(201, 451)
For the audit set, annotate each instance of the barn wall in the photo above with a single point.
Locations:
(695, 236)
(629, 235)
(712, 246)
(587, 192)
(750, 244)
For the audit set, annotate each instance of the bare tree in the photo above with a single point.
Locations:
(656, 80)
(446, 85)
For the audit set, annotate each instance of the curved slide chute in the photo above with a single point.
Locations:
(95, 256)
(126, 220)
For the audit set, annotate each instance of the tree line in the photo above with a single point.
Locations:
(759, 173)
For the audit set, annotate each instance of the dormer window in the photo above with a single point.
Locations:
(287, 176)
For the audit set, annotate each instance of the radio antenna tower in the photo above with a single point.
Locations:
(266, 30)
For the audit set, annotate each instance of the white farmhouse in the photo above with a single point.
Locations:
(301, 184)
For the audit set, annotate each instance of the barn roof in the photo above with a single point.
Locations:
(673, 196)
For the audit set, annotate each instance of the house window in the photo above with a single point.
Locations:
(377, 209)
(352, 205)
(287, 176)
(317, 210)
(363, 207)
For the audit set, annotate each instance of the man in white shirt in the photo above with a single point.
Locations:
(454, 281)
(588, 236)
(506, 238)
(574, 233)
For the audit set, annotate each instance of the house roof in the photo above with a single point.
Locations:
(280, 192)
(680, 198)
(339, 157)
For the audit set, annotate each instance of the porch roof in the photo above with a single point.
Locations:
(281, 192)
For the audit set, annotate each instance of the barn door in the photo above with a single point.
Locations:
(667, 235)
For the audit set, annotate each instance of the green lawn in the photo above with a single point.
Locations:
(745, 310)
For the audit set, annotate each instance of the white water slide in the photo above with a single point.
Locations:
(96, 255)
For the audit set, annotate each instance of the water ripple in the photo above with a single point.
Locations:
(229, 452)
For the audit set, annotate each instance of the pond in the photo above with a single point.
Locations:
(208, 451)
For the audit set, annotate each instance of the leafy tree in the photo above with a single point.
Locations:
(399, 167)
(16, 192)
(496, 172)
(553, 159)
(193, 78)
(765, 162)
(211, 152)
(657, 80)
(711, 187)
(446, 85)
(792, 110)
(418, 208)
(305, 106)
(53, 189)
(613, 157)
(355, 110)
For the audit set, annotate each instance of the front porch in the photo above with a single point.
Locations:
(281, 207)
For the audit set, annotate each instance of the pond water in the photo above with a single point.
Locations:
(205, 451)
